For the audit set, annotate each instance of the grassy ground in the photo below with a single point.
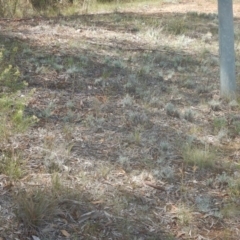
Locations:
(130, 138)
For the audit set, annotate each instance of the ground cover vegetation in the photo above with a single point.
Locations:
(112, 125)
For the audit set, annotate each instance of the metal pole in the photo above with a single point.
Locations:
(226, 49)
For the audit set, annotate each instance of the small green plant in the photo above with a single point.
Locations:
(47, 112)
(11, 165)
(184, 215)
(203, 158)
(13, 119)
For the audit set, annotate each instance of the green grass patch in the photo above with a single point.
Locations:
(230, 211)
(11, 165)
(203, 158)
(12, 117)
(176, 26)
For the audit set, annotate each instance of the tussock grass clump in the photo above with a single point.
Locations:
(203, 158)
(172, 111)
(35, 208)
(135, 137)
(215, 105)
(176, 26)
(189, 115)
(136, 118)
(189, 84)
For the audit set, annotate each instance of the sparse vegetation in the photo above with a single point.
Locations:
(112, 126)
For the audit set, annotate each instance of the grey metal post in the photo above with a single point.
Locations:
(226, 49)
